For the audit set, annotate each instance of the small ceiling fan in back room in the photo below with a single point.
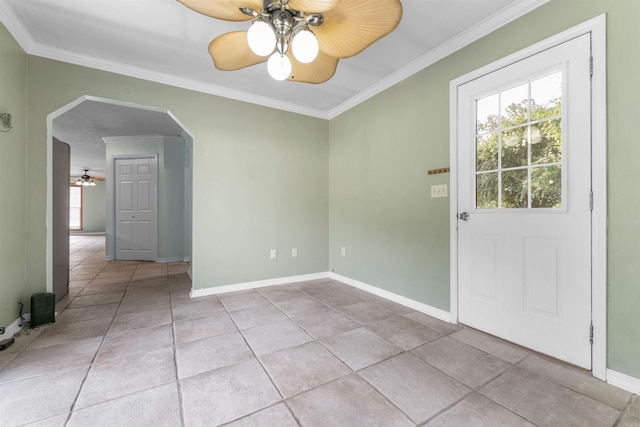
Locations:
(301, 40)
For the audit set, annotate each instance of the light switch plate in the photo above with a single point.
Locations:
(439, 190)
(274, 253)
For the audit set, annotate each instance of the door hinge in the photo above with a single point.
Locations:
(591, 65)
(591, 334)
(591, 200)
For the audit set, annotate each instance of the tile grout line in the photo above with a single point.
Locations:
(84, 380)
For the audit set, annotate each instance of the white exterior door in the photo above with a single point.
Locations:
(524, 195)
(136, 209)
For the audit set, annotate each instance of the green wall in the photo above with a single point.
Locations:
(397, 236)
(255, 187)
(94, 208)
(13, 86)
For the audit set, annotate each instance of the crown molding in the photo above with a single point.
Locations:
(465, 38)
(481, 29)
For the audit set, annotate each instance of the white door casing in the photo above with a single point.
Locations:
(136, 209)
(524, 274)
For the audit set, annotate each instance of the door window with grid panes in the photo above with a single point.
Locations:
(519, 146)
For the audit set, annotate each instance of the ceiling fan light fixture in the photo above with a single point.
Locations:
(279, 66)
(261, 38)
(305, 46)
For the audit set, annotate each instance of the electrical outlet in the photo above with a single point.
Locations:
(274, 253)
(294, 252)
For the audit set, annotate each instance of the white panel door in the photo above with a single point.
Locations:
(524, 183)
(136, 209)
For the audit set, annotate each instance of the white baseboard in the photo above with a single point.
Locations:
(170, 259)
(623, 381)
(14, 327)
(418, 306)
(107, 258)
(258, 284)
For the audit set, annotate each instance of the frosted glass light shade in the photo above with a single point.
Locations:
(305, 46)
(279, 66)
(261, 38)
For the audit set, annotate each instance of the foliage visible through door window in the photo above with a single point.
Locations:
(519, 146)
(75, 207)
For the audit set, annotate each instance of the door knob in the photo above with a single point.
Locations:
(464, 216)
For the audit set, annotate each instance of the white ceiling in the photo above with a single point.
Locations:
(163, 41)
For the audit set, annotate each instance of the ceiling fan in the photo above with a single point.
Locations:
(87, 180)
(301, 40)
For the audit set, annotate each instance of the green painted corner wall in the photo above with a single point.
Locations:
(13, 86)
(397, 236)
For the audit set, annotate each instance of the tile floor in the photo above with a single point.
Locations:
(131, 348)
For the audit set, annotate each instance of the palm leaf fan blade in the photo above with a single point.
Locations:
(354, 25)
(227, 10)
(319, 71)
(313, 6)
(231, 52)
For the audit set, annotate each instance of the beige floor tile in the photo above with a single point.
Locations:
(325, 323)
(239, 300)
(360, 348)
(302, 368)
(40, 397)
(256, 316)
(443, 328)
(346, 402)
(94, 289)
(126, 375)
(504, 350)
(365, 312)
(226, 394)
(140, 306)
(276, 336)
(578, 380)
(403, 332)
(202, 327)
(414, 386)
(463, 362)
(275, 416)
(88, 313)
(60, 333)
(52, 359)
(631, 416)
(197, 308)
(57, 421)
(106, 298)
(277, 294)
(300, 307)
(125, 322)
(157, 407)
(316, 287)
(211, 353)
(337, 299)
(134, 341)
(476, 410)
(546, 403)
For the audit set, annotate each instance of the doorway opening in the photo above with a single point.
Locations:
(90, 125)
